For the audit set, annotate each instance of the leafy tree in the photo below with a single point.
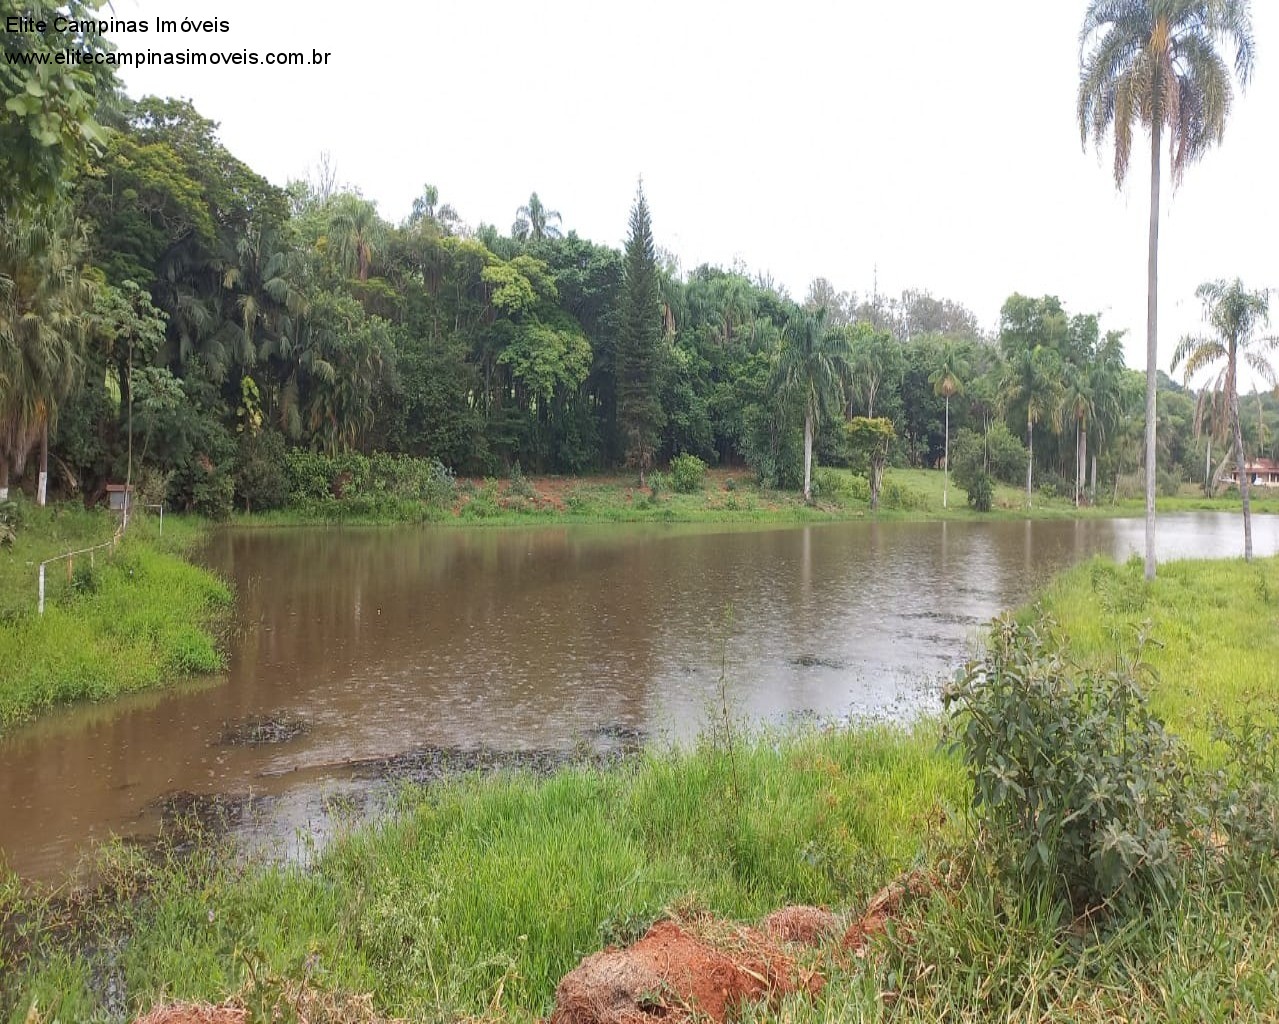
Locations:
(947, 380)
(1235, 314)
(1156, 63)
(639, 410)
(871, 439)
(812, 363)
(49, 125)
(875, 362)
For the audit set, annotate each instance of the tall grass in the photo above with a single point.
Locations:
(122, 622)
(505, 882)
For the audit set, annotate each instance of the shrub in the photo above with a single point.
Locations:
(1168, 482)
(899, 496)
(656, 485)
(519, 486)
(260, 474)
(1075, 781)
(981, 491)
(688, 473)
(213, 493)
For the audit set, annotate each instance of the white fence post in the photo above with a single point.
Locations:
(41, 588)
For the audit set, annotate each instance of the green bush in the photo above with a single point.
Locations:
(1168, 482)
(1076, 783)
(981, 491)
(899, 496)
(260, 474)
(519, 486)
(688, 474)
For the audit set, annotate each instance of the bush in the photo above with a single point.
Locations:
(213, 493)
(1168, 482)
(688, 474)
(899, 496)
(519, 486)
(260, 474)
(1075, 781)
(830, 485)
(981, 491)
(998, 453)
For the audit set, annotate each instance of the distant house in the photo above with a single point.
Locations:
(1261, 473)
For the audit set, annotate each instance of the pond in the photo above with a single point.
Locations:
(357, 651)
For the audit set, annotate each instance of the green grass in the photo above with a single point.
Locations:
(125, 621)
(505, 880)
(1215, 625)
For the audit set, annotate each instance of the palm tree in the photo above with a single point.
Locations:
(533, 222)
(1030, 380)
(1077, 404)
(1155, 62)
(356, 231)
(812, 363)
(1234, 314)
(45, 298)
(947, 380)
(1106, 375)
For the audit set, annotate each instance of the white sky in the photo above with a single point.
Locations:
(933, 139)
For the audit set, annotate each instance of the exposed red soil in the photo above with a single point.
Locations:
(804, 926)
(705, 969)
(678, 972)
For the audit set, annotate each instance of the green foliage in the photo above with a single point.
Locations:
(1074, 779)
(261, 472)
(49, 124)
(981, 491)
(1168, 481)
(688, 474)
(519, 486)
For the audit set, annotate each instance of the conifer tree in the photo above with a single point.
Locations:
(639, 409)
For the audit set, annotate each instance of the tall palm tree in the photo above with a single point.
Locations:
(812, 363)
(1155, 63)
(1076, 404)
(1234, 314)
(947, 380)
(46, 295)
(533, 222)
(1106, 375)
(1030, 380)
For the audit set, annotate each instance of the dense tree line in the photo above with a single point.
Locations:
(170, 316)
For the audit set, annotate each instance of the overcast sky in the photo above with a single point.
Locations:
(932, 140)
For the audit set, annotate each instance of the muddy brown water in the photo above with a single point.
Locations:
(358, 644)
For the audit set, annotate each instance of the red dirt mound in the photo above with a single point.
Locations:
(195, 1013)
(677, 975)
(884, 904)
(804, 926)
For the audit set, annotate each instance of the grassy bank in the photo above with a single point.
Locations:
(502, 884)
(1213, 625)
(481, 893)
(119, 622)
(727, 496)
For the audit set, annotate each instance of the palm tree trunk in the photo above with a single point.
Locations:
(1240, 463)
(1208, 468)
(945, 480)
(1152, 344)
(1030, 462)
(4, 476)
(808, 456)
(1093, 488)
(1079, 465)
(42, 481)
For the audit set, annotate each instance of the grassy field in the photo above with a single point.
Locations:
(119, 621)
